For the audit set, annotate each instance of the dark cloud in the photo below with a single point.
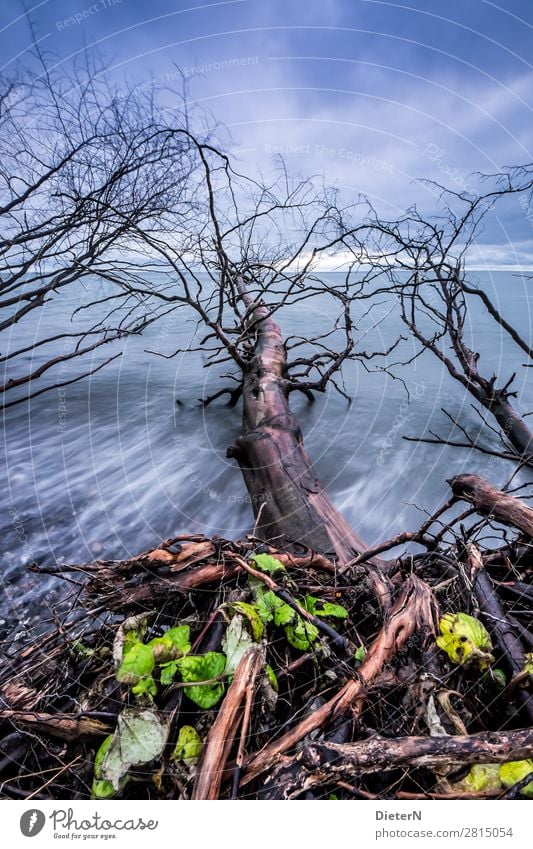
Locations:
(373, 93)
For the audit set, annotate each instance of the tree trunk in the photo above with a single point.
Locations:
(512, 425)
(290, 505)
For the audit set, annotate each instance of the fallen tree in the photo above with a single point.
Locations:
(244, 663)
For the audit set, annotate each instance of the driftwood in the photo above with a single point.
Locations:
(492, 502)
(64, 726)
(326, 763)
(497, 622)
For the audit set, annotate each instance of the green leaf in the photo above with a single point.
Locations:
(102, 789)
(173, 643)
(270, 606)
(267, 563)
(188, 746)
(360, 653)
(499, 677)
(272, 678)
(139, 738)
(480, 777)
(514, 771)
(131, 638)
(235, 643)
(284, 614)
(138, 663)
(265, 607)
(299, 633)
(302, 634)
(203, 667)
(168, 671)
(145, 688)
(252, 614)
(324, 608)
(465, 640)
(528, 663)
(129, 632)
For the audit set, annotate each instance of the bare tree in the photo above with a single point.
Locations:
(83, 167)
(108, 186)
(255, 251)
(422, 260)
(113, 188)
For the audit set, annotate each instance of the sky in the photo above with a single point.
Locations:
(374, 94)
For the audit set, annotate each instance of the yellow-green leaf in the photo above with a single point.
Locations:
(145, 688)
(481, 777)
(465, 640)
(252, 614)
(188, 746)
(514, 771)
(267, 563)
(138, 663)
(173, 643)
(272, 678)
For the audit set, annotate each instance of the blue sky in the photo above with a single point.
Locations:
(373, 94)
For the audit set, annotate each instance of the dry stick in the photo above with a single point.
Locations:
(313, 560)
(63, 725)
(323, 763)
(222, 733)
(413, 609)
(384, 753)
(164, 587)
(184, 581)
(336, 638)
(400, 539)
(492, 502)
(497, 621)
(54, 777)
(242, 742)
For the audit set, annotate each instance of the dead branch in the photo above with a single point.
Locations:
(222, 734)
(325, 763)
(492, 502)
(413, 610)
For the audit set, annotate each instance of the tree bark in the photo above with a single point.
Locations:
(490, 501)
(511, 423)
(290, 506)
(322, 763)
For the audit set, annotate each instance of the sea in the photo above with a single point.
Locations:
(109, 466)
